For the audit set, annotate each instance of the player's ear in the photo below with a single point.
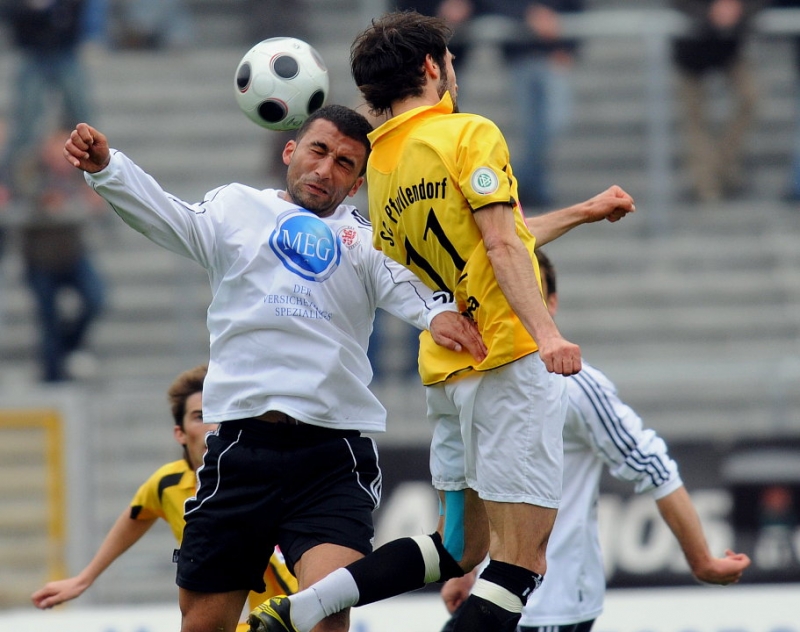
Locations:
(288, 151)
(356, 186)
(431, 68)
(179, 434)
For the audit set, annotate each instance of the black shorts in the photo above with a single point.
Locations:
(264, 484)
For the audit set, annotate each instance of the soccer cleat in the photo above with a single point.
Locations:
(272, 616)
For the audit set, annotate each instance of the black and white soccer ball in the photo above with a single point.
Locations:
(280, 82)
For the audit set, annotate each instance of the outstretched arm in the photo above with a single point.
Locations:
(120, 538)
(681, 517)
(612, 204)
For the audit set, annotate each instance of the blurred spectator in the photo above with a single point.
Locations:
(792, 193)
(541, 71)
(714, 45)
(154, 24)
(96, 18)
(48, 35)
(58, 206)
(276, 18)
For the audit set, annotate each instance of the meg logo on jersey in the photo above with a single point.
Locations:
(306, 245)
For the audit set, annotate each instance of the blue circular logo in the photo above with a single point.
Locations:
(305, 245)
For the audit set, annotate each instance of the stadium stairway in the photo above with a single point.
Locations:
(695, 314)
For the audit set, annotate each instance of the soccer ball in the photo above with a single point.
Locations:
(280, 82)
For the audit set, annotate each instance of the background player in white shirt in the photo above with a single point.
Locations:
(295, 284)
(602, 431)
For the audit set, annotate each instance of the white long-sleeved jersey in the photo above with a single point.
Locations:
(293, 296)
(600, 430)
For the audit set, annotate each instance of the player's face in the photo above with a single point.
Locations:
(324, 167)
(193, 434)
(447, 82)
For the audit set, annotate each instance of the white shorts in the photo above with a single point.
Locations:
(499, 433)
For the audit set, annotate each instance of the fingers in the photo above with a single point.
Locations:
(472, 340)
(76, 148)
(45, 599)
(565, 359)
(467, 337)
(87, 149)
(476, 348)
(456, 332)
(622, 202)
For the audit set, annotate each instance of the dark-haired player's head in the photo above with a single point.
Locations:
(185, 397)
(349, 122)
(387, 60)
(327, 159)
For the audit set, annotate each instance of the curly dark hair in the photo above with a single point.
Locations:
(386, 60)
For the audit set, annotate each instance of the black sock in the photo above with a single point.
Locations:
(517, 580)
(448, 566)
(398, 567)
(479, 615)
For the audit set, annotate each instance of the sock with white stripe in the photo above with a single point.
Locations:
(497, 599)
(331, 594)
(395, 568)
(401, 566)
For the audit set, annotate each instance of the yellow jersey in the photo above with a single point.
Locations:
(163, 496)
(429, 170)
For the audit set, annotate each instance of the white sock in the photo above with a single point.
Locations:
(331, 594)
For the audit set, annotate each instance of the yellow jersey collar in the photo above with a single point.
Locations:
(444, 106)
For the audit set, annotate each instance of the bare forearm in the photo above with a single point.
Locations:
(516, 277)
(681, 517)
(612, 204)
(550, 226)
(123, 534)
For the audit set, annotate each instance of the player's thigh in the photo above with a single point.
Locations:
(447, 458)
(516, 441)
(331, 501)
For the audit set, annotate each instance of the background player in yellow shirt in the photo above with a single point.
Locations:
(163, 496)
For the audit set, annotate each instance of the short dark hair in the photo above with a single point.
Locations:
(349, 122)
(548, 272)
(386, 60)
(185, 385)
